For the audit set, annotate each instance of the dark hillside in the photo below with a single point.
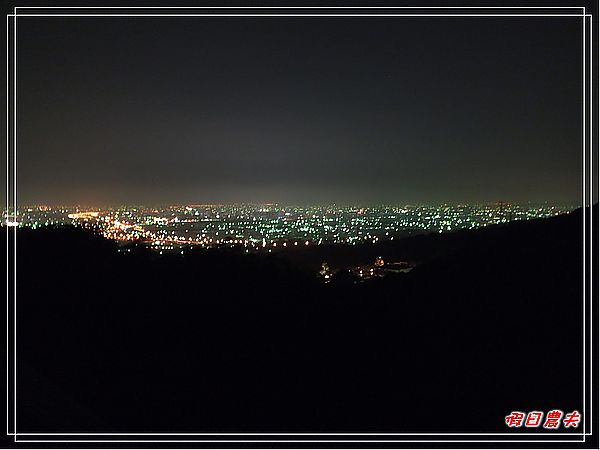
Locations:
(223, 341)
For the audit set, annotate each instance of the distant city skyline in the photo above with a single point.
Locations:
(269, 226)
(99, 206)
(299, 110)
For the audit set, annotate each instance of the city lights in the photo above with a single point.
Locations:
(275, 226)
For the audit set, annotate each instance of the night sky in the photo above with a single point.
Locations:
(299, 110)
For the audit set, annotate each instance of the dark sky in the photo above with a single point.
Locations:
(299, 110)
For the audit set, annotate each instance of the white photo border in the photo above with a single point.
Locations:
(587, 193)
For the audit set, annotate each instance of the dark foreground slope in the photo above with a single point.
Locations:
(219, 341)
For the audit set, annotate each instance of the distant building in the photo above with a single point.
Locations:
(380, 268)
(399, 267)
(325, 272)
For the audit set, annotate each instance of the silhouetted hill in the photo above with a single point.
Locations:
(218, 340)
